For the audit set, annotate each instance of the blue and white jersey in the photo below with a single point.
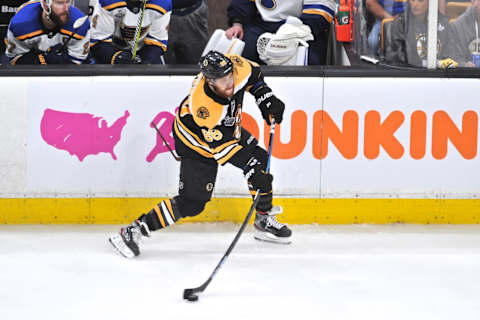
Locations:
(279, 10)
(113, 22)
(26, 32)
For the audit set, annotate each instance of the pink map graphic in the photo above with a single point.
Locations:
(166, 120)
(81, 134)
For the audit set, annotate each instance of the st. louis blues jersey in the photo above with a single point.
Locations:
(210, 126)
(113, 22)
(26, 32)
(279, 10)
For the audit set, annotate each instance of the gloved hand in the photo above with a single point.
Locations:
(56, 55)
(447, 63)
(125, 57)
(256, 176)
(269, 105)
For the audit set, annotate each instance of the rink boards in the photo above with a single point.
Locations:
(350, 150)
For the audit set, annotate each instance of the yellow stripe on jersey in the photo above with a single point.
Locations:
(155, 43)
(69, 33)
(184, 134)
(324, 14)
(230, 154)
(156, 7)
(115, 5)
(30, 35)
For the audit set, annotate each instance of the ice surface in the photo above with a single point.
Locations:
(329, 272)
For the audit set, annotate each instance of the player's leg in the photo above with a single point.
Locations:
(267, 227)
(253, 159)
(197, 179)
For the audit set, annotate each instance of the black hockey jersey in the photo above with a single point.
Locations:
(211, 125)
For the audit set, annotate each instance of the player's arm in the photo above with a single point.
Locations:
(269, 104)
(239, 13)
(156, 40)
(78, 46)
(101, 46)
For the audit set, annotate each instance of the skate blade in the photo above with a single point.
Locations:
(118, 243)
(268, 237)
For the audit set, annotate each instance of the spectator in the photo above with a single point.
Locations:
(466, 28)
(409, 38)
(48, 32)
(249, 19)
(188, 31)
(114, 27)
(381, 9)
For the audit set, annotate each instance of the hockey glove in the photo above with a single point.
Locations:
(56, 55)
(269, 105)
(447, 63)
(125, 57)
(256, 176)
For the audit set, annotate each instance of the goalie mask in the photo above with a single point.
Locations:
(215, 65)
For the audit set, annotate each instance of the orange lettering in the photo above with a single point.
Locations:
(249, 123)
(418, 134)
(298, 137)
(324, 128)
(444, 129)
(377, 133)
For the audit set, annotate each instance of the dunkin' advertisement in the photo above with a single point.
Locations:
(341, 137)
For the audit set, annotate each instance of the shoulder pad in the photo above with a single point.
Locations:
(242, 69)
(161, 6)
(25, 22)
(75, 14)
(112, 4)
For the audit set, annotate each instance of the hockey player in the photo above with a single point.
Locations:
(251, 18)
(48, 32)
(114, 25)
(208, 132)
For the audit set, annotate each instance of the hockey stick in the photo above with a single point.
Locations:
(137, 30)
(190, 294)
(165, 142)
(76, 25)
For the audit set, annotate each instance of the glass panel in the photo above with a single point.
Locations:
(396, 32)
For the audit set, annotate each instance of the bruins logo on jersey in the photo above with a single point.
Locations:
(203, 112)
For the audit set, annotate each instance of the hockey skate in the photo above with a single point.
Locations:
(128, 240)
(267, 228)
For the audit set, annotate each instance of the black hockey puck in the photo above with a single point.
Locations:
(192, 298)
(189, 295)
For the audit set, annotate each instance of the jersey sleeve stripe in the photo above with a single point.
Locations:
(115, 5)
(189, 141)
(224, 157)
(30, 35)
(70, 33)
(324, 14)
(152, 42)
(156, 8)
(195, 138)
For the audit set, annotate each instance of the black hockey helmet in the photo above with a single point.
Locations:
(215, 65)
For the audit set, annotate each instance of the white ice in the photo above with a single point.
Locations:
(383, 272)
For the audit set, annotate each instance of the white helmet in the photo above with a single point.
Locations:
(47, 6)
